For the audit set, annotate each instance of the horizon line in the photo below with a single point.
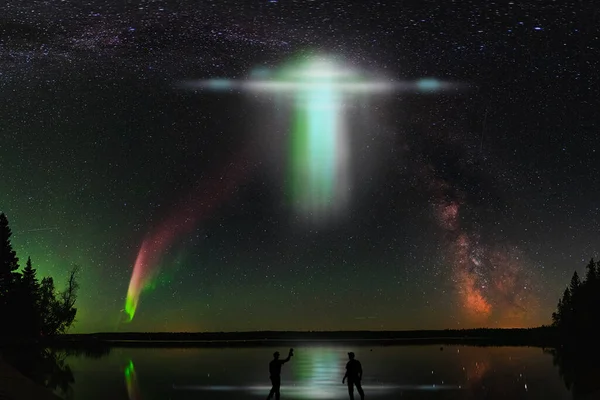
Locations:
(310, 331)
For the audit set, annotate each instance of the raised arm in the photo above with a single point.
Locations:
(288, 357)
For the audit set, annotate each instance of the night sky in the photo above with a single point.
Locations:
(467, 207)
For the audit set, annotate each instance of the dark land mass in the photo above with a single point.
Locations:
(540, 337)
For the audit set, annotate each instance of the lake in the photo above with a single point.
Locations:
(316, 371)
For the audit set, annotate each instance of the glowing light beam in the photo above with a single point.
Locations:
(320, 89)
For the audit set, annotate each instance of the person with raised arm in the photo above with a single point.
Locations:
(275, 373)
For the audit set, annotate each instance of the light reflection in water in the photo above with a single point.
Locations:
(319, 372)
(131, 382)
(306, 392)
(316, 373)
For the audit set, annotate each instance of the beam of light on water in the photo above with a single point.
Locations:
(340, 391)
(317, 374)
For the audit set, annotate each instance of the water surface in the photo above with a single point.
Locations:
(316, 371)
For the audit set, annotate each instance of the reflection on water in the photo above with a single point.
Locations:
(318, 372)
(315, 372)
(49, 367)
(133, 390)
(580, 370)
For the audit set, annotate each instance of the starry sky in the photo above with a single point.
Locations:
(469, 208)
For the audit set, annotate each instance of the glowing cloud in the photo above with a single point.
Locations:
(321, 88)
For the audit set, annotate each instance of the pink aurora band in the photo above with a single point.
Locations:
(199, 205)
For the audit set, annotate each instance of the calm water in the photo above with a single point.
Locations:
(315, 372)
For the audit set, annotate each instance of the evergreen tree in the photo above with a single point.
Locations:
(9, 264)
(575, 283)
(589, 296)
(578, 311)
(28, 297)
(29, 279)
(591, 275)
(567, 307)
(556, 316)
(575, 299)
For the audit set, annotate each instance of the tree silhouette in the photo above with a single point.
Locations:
(28, 300)
(58, 309)
(591, 273)
(579, 308)
(29, 308)
(575, 283)
(9, 264)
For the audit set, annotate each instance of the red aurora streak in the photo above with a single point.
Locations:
(200, 204)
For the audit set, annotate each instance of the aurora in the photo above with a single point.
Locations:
(184, 217)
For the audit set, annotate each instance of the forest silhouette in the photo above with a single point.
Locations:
(29, 308)
(578, 311)
(575, 353)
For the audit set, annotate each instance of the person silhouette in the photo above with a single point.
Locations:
(354, 375)
(275, 373)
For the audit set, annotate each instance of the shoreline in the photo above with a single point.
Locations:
(329, 342)
(538, 337)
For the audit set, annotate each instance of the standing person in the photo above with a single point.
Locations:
(275, 373)
(354, 374)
